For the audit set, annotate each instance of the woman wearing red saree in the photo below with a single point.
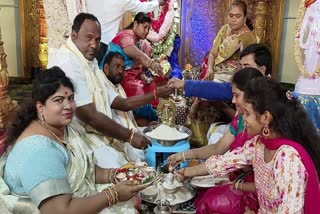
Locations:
(131, 44)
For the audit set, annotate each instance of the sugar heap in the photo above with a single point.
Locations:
(164, 132)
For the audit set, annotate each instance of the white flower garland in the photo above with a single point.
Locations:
(297, 49)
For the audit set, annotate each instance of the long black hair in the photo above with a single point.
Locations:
(289, 118)
(140, 18)
(242, 77)
(44, 86)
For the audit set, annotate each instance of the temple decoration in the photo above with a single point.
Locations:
(30, 35)
(167, 112)
(308, 39)
(164, 29)
(58, 25)
(200, 22)
(307, 55)
(7, 105)
(43, 46)
(274, 32)
(260, 20)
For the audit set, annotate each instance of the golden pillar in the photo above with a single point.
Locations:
(43, 45)
(126, 20)
(7, 105)
(260, 20)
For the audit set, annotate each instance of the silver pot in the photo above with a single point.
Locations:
(162, 208)
(168, 142)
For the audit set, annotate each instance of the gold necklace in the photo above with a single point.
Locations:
(57, 138)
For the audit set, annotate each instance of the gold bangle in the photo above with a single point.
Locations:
(152, 64)
(112, 195)
(109, 197)
(131, 136)
(111, 175)
(116, 193)
(149, 63)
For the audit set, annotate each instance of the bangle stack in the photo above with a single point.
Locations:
(112, 195)
(131, 136)
(150, 63)
(111, 175)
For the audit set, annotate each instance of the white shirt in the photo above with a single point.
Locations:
(74, 69)
(110, 13)
(115, 116)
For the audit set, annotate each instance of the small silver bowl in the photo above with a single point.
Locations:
(168, 142)
(170, 190)
(150, 193)
(163, 207)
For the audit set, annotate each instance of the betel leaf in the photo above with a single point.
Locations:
(147, 180)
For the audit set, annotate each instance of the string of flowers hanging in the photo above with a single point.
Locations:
(164, 29)
(307, 23)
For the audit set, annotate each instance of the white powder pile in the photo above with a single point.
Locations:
(164, 132)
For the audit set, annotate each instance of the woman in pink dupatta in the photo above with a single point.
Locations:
(284, 154)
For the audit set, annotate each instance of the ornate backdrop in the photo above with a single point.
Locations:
(200, 22)
(202, 19)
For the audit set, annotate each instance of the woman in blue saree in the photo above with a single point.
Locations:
(43, 172)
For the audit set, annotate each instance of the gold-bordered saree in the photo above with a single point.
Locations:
(81, 178)
(227, 48)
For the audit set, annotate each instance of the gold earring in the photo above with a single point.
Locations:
(43, 121)
(266, 131)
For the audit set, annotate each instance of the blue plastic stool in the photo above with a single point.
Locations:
(158, 153)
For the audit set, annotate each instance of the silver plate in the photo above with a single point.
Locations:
(183, 194)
